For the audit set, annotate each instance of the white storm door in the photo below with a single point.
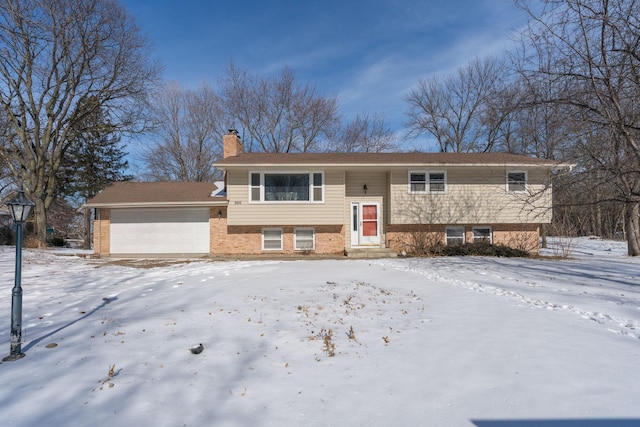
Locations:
(365, 224)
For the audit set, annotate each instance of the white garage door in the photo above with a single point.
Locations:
(160, 231)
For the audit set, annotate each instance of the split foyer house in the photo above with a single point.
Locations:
(330, 203)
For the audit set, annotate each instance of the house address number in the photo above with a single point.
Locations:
(237, 202)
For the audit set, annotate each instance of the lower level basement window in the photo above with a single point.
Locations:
(455, 236)
(304, 239)
(272, 239)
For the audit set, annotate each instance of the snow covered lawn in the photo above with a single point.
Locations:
(406, 342)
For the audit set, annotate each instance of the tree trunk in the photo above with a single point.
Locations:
(600, 230)
(42, 202)
(86, 235)
(632, 222)
(40, 214)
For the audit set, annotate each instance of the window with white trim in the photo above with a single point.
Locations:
(318, 186)
(286, 187)
(454, 236)
(304, 239)
(423, 182)
(517, 181)
(437, 182)
(482, 234)
(272, 239)
(255, 187)
(417, 182)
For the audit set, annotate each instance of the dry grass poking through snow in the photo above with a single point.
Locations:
(334, 320)
(345, 317)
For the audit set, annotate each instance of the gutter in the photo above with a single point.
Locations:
(224, 166)
(155, 204)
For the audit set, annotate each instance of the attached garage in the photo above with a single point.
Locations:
(157, 218)
(160, 231)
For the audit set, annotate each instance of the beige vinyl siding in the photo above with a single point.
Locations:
(375, 180)
(244, 212)
(474, 196)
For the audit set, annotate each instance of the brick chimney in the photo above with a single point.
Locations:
(232, 144)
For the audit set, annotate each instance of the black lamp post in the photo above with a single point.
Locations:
(20, 207)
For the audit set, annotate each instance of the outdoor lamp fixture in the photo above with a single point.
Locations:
(365, 188)
(19, 207)
(219, 213)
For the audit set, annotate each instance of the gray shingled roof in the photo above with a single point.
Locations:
(156, 194)
(382, 159)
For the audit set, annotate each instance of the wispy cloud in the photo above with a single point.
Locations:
(382, 85)
(370, 53)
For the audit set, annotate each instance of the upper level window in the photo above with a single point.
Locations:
(318, 187)
(437, 182)
(427, 182)
(417, 182)
(286, 187)
(516, 181)
(255, 186)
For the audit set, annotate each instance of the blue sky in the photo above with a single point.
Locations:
(368, 53)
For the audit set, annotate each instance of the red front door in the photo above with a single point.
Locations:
(365, 224)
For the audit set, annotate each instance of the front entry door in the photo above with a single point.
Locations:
(365, 224)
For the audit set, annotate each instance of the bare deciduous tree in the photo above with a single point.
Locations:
(593, 48)
(189, 139)
(367, 133)
(536, 128)
(55, 55)
(455, 109)
(5, 170)
(276, 114)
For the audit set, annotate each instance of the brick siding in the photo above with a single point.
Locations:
(329, 239)
(408, 237)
